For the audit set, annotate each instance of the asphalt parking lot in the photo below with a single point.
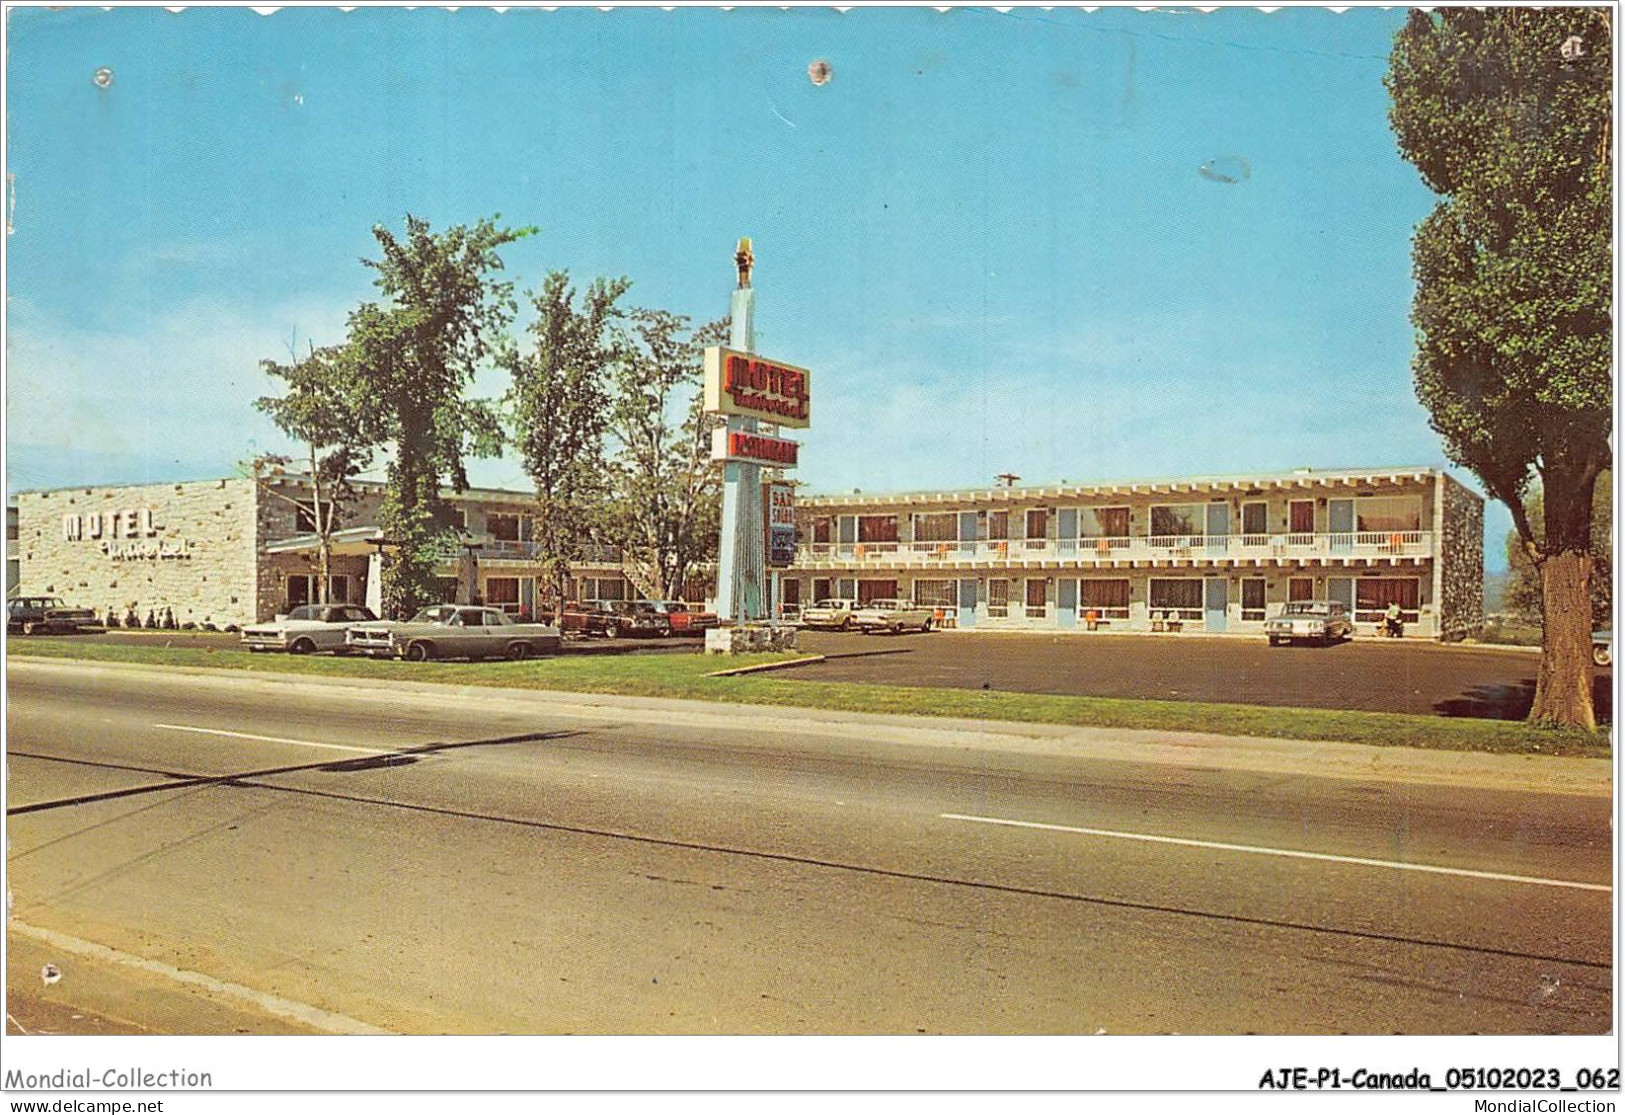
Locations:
(1414, 676)
(1374, 675)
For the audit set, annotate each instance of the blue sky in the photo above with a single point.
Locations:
(989, 235)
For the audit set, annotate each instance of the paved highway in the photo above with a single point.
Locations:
(393, 858)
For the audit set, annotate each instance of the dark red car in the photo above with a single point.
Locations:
(685, 618)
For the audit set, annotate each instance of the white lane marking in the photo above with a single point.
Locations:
(302, 1013)
(13, 1020)
(275, 739)
(1287, 852)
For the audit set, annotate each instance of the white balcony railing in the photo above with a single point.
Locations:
(1088, 551)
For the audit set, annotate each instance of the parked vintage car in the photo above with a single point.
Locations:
(636, 617)
(1602, 647)
(307, 629)
(892, 615)
(453, 631)
(30, 615)
(1321, 621)
(834, 613)
(684, 618)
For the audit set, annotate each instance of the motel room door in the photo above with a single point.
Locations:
(1066, 601)
(1340, 523)
(967, 602)
(967, 544)
(1216, 602)
(1218, 527)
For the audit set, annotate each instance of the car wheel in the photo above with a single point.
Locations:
(896, 629)
(518, 651)
(611, 631)
(846, 624)
(1602, 656)
(419, 652)
(29, 627)
(302, 646)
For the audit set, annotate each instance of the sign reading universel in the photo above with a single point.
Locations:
(753, 387)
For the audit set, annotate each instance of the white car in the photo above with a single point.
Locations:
(454, 631)
(895, 616)
(834, 613)
(1320, 621)
(307, 629)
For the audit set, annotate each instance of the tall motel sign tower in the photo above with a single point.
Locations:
(758, 396)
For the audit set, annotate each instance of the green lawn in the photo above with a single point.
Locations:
(685, 676)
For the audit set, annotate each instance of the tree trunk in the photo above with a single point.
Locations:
(1563, 685)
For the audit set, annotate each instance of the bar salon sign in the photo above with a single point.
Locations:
(127, 535)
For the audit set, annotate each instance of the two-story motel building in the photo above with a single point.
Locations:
(1202, 553)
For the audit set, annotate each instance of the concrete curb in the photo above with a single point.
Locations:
(764, 667)
(1309, 758)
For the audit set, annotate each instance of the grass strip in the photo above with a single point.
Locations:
(688, 676)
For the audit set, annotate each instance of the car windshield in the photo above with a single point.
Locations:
(883, 605)
(347, 615)
(833, 604)
(1307, 608)
(438, 613)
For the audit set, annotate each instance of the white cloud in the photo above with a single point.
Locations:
(186, 378)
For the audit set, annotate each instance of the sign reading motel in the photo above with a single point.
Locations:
(750, 386)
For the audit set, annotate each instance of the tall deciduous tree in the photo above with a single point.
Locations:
(442, 315)
(666, 507)
(559, 408)
(1506, 112)
(323, 408)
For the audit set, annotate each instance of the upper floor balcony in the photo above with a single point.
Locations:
(485, 549)
(1095, 552)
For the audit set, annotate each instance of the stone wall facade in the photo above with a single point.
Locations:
(1460, 572)
(191, 547)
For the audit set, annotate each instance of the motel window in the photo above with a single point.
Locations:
(1388, 514)
(603, 588)
(998, 525)
(877, 528)
(1301, 516)
(1037, 602)
(1107, 599)
(503, 527)
(1372, 595)
(1108, 524)
(823, 530)
(820, 588)
(1255, 522)
(936, 594)
(1252, 598)
(1300, 588)
(998, 596)
(1181, 597)
(298, 590)
(1178, 520)
(790, 591)
(936, 528)
(876, 590)
(502, 592)
(1037, 524)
